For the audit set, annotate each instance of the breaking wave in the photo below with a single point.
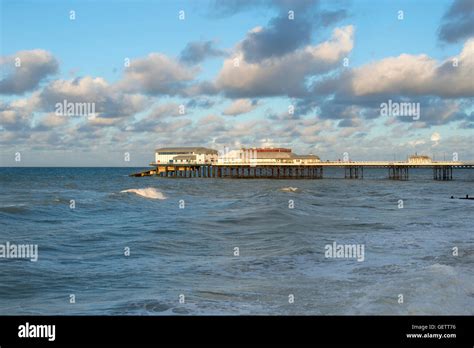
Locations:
(148, 192)
(289, 189)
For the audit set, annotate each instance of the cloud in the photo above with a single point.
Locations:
(165, 110)
(437, 111)
(157, 74)
(326, 17)
(269, 54)
(197, 51)
(350, 122)
(109, 101)
(299, 5)
(51, 120)
(167, 129)
(240, 106)
(458, 22)
(111, 106)
(416, 142)
(102, 122)
(199, 88)
(14, 119)
(435, 137)
(283, 34)
(154, 117)
(417, 75)
(35, 65)
(433, 110)
(280, 37)
(203, 103)
(283, 75)
(412, 76)
(405, 74)
(231, 7)
(16, 116)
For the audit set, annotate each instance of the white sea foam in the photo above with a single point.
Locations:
(148, 192)
(436, 289)
(289, 189)
(443, 270)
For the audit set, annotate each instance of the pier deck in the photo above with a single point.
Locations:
(442, 170)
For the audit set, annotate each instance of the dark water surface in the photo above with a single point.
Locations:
(190, 251)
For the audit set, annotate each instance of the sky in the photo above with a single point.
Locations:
(312, 75)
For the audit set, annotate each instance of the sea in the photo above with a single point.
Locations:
(111, 244)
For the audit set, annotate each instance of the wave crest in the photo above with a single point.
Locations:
(148, 192)
(289, 189)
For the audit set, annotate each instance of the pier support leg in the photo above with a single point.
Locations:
(353, 172)
(444, 173)
(398, 173)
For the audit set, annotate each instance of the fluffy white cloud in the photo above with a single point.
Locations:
(283, 75)
(240, 106)
(435, 137)
(157, 74)
(109, 101)
(154, 117)
(416, 75)
(52, 120)
(14, 117)
(25, 70)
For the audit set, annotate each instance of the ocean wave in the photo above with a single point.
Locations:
(14, 208)
(440, 290)
(289, 189)
(141, 307)
(441, 269)
(148, 192)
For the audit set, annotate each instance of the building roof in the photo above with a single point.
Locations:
(269, 155)
(278, 154)
(267, 149)
(420, 156)
(187, 149)
(185, 157)
(305, 156)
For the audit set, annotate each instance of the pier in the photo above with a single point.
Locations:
(281, 163)
(442, 171)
